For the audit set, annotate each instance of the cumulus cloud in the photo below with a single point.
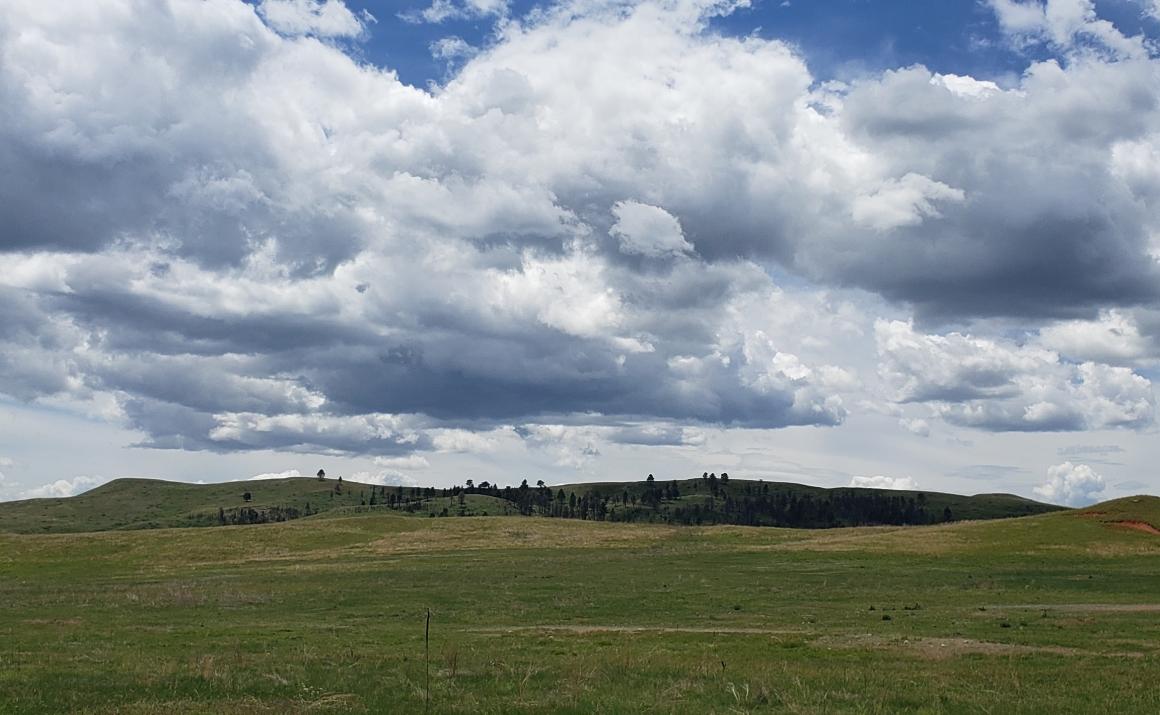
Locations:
(997, 385)
(443, 10)
(64, 487)
(881, 482)
(574, 447)
(1066, 24)
(385, 477)
(316, 433)
(288, 474)
(1071, 485)
(325, 18)
(256, 241)
(647, 230)
(452, 49)
(1113, 338)
(903, 202)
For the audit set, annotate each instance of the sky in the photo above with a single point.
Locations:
(834, 242)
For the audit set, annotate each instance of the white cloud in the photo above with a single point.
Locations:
(442, 10)
(997, 385)
(966, 86)
(410, 461)
(1114, 338)
(648, 230)
(903, 202)
(64, 487)
(452, 48)
(323, 18)
(288, 474)
(881, 482)
(385, 477)
(1063, 24)
(568, 446)
(1071, 485)
(317, 432)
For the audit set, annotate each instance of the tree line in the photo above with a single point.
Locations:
(712, 499)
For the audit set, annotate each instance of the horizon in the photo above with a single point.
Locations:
(839, 244)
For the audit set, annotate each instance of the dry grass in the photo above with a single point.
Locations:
(939, 648)
(503, 533)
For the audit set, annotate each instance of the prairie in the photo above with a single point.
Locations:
(1041, 614)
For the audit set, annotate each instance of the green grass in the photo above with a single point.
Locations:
(1044, 614)
(153, 503)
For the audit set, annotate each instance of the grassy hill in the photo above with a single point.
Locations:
(825, 506)
(148, 504)
(1055, 613)
(152, 503)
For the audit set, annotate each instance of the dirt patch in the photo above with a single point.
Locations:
(1137, 526)
(1090, 514)
(941, 648)
(590, 629)
(1078, 607)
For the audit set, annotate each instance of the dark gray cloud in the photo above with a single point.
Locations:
(1046, 225)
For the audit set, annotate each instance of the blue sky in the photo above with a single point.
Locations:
(839, 38)
(899, 244)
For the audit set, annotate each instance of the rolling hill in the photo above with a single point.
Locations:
(146, 504)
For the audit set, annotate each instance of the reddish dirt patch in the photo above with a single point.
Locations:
(1138, 526)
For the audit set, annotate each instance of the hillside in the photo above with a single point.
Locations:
(151, 503)
(145, 504)
(760, 503)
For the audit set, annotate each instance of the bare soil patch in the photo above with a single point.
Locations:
(945, 648)
(1079, 607)
(1137, 526)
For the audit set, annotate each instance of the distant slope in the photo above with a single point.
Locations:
(760, 503)
(1139, 513)
(146, 504)
(152, 503)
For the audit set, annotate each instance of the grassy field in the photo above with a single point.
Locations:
(1044, 614)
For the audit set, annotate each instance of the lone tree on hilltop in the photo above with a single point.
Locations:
(246, 496)
(321, 474)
